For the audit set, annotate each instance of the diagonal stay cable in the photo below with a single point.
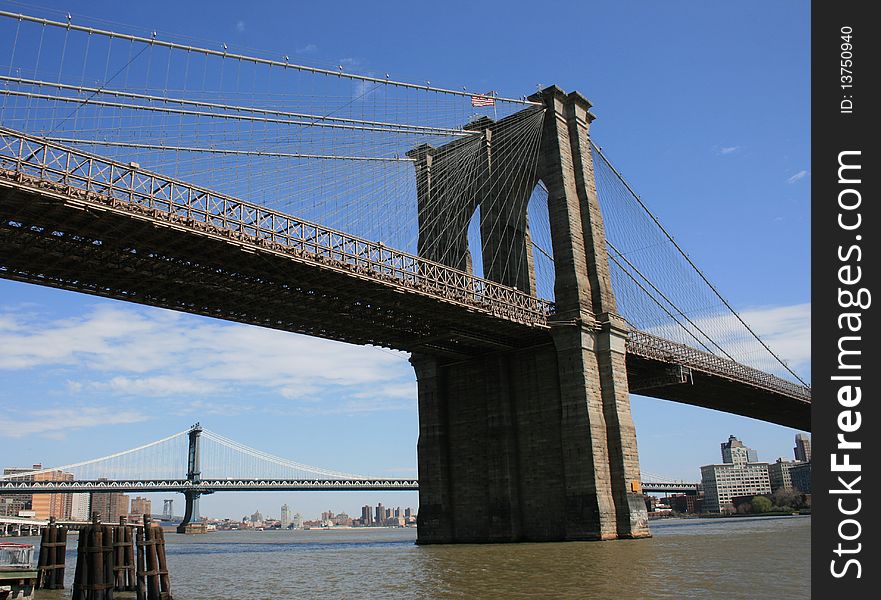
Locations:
(693, 265)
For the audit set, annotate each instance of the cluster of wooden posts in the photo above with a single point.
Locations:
(107, 561)
(50, 568)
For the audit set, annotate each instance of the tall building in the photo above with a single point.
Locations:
(52, 505)
(800, 474)
(80, 507)
(141, 507)
(257, 517)
(724, 482)
(11, 504)
(380, 514)
(366, 515)
(740, 475)
(734, 451)
(110, 506)
(285, 515)
(802, 448)
(779, 474)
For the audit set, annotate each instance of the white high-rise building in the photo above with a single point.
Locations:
(285, 515)
(722, 483)
(740, 475)
(80, 509)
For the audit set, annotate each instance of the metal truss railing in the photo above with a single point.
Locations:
(241, 485)
(655, 486)
(651, 346)
(34, 162)
(205, 486)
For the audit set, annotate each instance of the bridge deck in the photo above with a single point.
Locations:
(209, 486)
(76, 221)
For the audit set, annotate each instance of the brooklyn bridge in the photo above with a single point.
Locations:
(489, 237)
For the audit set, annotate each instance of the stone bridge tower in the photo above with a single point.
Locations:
(532, 444)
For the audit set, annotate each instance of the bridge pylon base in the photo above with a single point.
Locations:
(517, 447)
(191, 519)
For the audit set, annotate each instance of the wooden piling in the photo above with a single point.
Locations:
(80, 578)
(60, 558)
(50, 567)
(153, 580)
(94, 578)
(43, 561)
(164, 579)
(141, 572)
(124, 562)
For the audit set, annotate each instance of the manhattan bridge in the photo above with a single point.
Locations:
(490, 237)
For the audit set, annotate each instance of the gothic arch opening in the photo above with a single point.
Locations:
(539, 227)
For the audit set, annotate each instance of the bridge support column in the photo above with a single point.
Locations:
(625, 476)
(538, 444)
(194, 475)
(191, 512)
(583, 290)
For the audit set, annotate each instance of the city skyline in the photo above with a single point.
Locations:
(711, 159)
(733, 451)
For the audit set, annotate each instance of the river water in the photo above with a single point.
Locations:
(750, 558)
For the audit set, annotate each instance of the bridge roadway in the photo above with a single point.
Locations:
(77, 221)
(209, 486)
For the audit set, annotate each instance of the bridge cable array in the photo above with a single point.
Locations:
(340, 149)
(166, 458)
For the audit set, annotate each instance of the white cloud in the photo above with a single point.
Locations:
(153, 386)
(785, 329)
(800, 175)
(308, 49)
(240, 26)
(132, 352)
(728, 149)
(57, 420)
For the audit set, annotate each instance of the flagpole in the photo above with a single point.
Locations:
(495, 114)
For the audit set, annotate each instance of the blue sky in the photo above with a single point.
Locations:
(704, 106)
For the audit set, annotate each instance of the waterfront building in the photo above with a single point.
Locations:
(285, 518)
(141, 507)
(380, 514)
(110, 506)
(741, 474)
(257, 517)
(80, 507)
(11, 504)
(734, 451)
(684, 503)
(779, 474)
(52, 505)
(800, 475)
(802, 448)
(341, 519)
(722, 483)
(366, 515)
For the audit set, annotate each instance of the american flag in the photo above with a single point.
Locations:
(484, 100)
